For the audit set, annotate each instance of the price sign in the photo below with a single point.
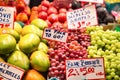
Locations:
(55, 35)
(9, 72)
(85, 69)
(93, 1)
(83, 17)
(6, 16)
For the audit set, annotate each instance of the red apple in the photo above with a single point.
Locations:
(45, 3)
(2, 3)
(42, 15)
(53, 18)
(27, 10)
(52, 10)
(62, 17)
(62, 10)
(57, 25)
(20, 6)
(49, 24)
(42, 8)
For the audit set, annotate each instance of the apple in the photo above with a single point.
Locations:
(53, 18)
(45, 3)
(52, 10)
(57, 25)
(2, 3)
(49, 23)
(42, 15)
(42, 8)
(20, 6)
(27, 10)
(62, 10)
(62, 17)
(22, 16)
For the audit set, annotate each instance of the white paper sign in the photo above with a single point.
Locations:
(6, 16)
(85, 69)
(9, 72)
(93, 1)
(56, 35)
(83, 17)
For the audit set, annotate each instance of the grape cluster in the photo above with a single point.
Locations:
(106, 44)
(74, 48)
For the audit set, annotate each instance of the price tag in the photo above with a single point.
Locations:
(93, 1)
(55, 35)
(6, 16)
(82, 17)
(9, 72)
(85, 69)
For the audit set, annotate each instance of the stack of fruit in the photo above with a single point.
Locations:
(25, 48)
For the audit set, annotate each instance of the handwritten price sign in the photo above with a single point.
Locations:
(6, 17)
(9, 72)
(93, 1)
(85, 69)
(55, 35)
(82, 17)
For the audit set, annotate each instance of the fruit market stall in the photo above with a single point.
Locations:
(60, 40)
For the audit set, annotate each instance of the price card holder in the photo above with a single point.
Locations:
(7, 17)
(93, 1)
(82, 17)
(10, 72)
(55, 35)
(85, 69)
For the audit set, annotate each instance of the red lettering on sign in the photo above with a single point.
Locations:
(4, 25)
(71, 73)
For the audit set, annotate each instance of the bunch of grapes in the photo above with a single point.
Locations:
(74, 48)
(106, 44)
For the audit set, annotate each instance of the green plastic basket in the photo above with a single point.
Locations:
(117, 28)
(113, 6)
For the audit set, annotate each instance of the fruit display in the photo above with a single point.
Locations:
(25, 47)
(75, 47)
(106, 44)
